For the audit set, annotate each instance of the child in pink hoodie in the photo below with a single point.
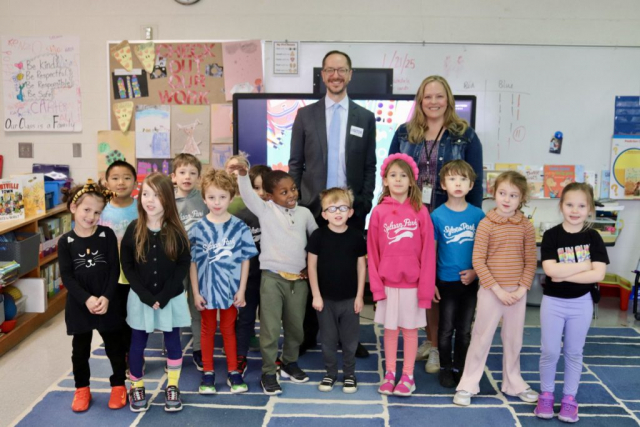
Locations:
(402, 267)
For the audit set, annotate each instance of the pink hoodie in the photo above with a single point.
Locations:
(401, 250)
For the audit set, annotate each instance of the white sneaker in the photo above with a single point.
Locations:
(529, 396)
(423, 350)
(433, 362)
(462, 398)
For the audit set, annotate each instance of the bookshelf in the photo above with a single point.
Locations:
(29, 322)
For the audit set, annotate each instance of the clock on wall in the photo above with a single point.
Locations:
(187, 2)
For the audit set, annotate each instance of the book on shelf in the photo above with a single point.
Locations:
(535, 180)
(33, 193)
(556, 177)
(11, 200)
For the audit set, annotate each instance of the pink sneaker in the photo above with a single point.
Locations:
(405, 386)
(545, 406)
(568, 409)
(387, 385)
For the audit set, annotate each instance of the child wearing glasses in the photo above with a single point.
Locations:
(337, 267)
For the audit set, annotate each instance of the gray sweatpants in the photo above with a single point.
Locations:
(339, 322)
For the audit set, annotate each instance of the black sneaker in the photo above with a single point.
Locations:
(172, 402)
(361, 352)
(270, 385)
(350, 385)
(327, 383)
(242, 364)
(446, 378)
(294, 373)
(197, 360)
(138, 400)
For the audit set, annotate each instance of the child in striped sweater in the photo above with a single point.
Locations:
(504, 257)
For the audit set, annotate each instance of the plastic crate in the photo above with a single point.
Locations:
(25, 252)
(21, 306)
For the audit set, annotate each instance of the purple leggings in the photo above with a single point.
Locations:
(573, 317)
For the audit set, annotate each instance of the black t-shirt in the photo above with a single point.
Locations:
(338, 255)
(565, 247)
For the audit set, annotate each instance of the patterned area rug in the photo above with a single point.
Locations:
(609, 392)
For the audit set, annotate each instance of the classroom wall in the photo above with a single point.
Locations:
(568, 22)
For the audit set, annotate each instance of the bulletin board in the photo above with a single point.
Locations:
(184, 73)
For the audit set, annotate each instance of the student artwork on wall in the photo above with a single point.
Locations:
(220, 153)
(182, 73)
(114, 145)
(625, 169)
(145, 167)
(190, 131)
(41, 84)
(153, 123)
(221, 124)
(243, 67)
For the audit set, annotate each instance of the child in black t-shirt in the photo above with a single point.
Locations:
(337, 269)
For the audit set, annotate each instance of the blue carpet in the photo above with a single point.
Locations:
(609, 393)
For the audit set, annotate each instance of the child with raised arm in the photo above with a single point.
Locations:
(283, 290)
(191, 209)
(246, 324)
(574, 258)
(455, 223)
(117, 215)
(221, 246)
(402, 267)
(155, 258)
(88, 257)
(337, 270)
(504, 257)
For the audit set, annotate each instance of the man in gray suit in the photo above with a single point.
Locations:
(318, 161)
(333, 144)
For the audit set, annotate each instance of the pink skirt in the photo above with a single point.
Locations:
(400, 309)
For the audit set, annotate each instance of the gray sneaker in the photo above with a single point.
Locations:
(172, 402)
(433, 362)
(138, 400)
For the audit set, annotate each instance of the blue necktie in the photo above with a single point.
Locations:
(333, 148)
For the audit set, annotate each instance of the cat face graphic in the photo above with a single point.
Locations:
(89, 259)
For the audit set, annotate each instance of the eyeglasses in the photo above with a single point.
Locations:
(341, 71)
(334, 209)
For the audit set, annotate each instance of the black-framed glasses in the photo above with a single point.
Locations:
(341, 71)
(334, 209)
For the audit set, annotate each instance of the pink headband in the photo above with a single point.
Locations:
(399, 156)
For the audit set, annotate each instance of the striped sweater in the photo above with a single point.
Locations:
(504, 251)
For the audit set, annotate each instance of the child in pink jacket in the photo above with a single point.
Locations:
(402, 267)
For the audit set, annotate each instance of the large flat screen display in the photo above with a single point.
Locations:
(262, 123)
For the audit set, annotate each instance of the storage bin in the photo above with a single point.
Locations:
(24, 252)
(55, 187)
(48, 200)
(21, 306)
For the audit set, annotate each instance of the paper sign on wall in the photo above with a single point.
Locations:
(41, 84)
(146, 53)
(122, 53)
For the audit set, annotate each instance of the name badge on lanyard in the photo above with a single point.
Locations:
(427, 189)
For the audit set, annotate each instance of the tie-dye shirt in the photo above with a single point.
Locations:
(218, 251)
(118, 219)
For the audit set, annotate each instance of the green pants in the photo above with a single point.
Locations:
(282, 302)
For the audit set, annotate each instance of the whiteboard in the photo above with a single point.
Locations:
(525, 93)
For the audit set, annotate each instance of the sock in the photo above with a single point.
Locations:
(174, 367)
(136, 382)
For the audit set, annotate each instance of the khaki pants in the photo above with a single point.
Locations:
(490, 311)
(282, 302)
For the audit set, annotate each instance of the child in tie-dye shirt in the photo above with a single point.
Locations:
(221, 246)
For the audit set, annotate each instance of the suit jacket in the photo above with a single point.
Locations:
(308, 159)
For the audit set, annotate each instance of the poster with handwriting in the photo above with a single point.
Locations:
(41, 84)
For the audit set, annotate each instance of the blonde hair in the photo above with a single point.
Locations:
(517, 180)
(219, 179)
(417, 126)
(336, 194)
(588, 192)
(241, 158)
(172, 231)
(414, 195)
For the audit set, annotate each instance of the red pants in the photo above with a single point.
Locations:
(228, 331)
